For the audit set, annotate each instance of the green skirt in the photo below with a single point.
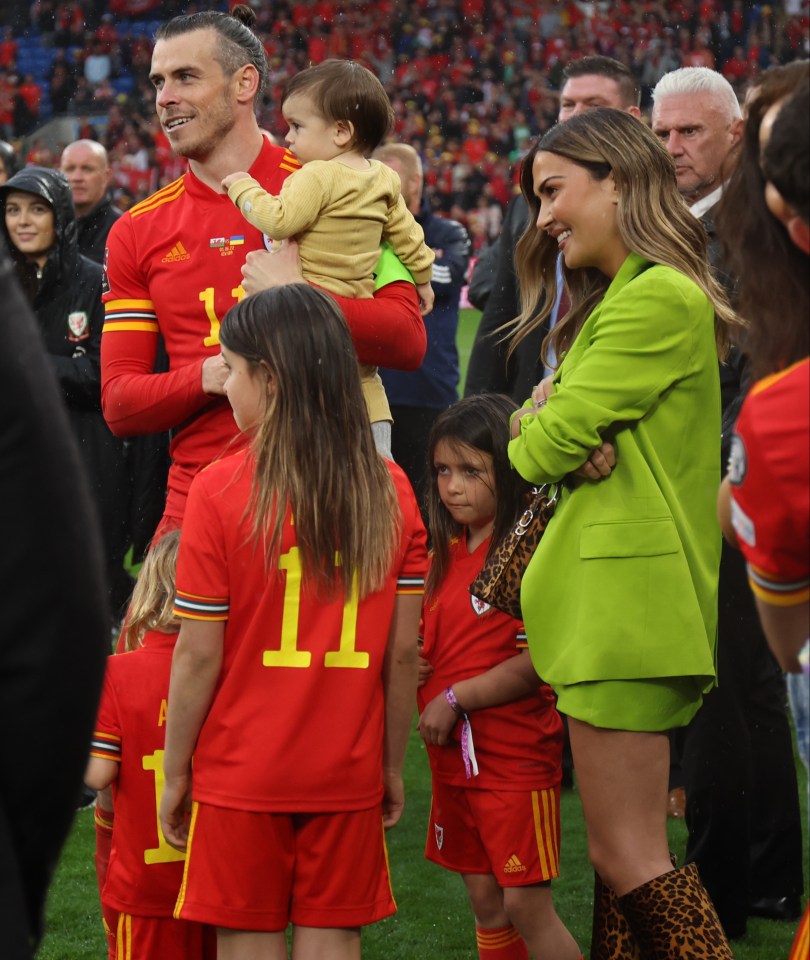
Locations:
(651, 704)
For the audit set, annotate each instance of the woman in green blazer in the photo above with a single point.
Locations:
(620, 598)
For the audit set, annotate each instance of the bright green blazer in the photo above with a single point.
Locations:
(623, 584)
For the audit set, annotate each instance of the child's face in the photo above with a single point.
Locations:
(310, 136)
(466, 481)
(246, 389)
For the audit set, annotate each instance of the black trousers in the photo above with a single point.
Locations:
(742, 800)
(409, 440)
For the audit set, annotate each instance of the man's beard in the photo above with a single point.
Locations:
(220, 119)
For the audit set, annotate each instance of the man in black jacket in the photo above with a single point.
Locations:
(416, 398)
(87, 168)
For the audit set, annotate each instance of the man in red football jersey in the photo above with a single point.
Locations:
(174, 262)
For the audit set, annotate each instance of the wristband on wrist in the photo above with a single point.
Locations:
(467, 745)
(454, 704)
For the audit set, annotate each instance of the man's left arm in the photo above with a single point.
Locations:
(387, 330)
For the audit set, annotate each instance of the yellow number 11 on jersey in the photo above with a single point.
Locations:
(288, 655)
(163, 852)
(206, 297)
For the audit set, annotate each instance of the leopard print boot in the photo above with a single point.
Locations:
(673, 918)
(611, 937)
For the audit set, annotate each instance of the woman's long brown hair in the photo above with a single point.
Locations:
(652, 219)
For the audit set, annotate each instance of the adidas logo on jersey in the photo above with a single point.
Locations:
(177, 253)
(513, 865)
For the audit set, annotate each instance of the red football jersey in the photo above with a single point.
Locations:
(518, 745)
(144, 873)
(174, 267)
(297, 719)
(770, 477)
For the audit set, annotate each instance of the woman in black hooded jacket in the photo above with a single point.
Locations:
(64, 289)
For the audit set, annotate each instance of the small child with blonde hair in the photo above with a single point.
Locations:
(139, 886)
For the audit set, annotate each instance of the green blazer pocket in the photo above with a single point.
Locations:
(628, 538)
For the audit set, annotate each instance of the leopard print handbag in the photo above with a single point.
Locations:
(498, 583)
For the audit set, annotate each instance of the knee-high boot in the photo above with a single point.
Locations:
(611, 936)
(672, 918)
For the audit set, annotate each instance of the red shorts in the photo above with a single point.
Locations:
(156, 938)
(262, 871)
(512, 834)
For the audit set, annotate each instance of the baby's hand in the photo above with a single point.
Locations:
(426, 297)
(231, 179)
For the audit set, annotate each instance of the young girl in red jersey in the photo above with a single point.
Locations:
(493, 734)
(140, 886)
(299, 586)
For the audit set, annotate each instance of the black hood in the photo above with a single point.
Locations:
(53, 188)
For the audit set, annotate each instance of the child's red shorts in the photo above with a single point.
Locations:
(512, 834)
(262, 871)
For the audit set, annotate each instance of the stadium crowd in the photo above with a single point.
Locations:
(471, 82)
(655, 241)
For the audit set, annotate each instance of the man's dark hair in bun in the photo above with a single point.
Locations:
(238, 44)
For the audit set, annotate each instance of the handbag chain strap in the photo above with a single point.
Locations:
(527, 516)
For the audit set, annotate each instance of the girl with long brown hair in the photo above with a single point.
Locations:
(298, 590)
